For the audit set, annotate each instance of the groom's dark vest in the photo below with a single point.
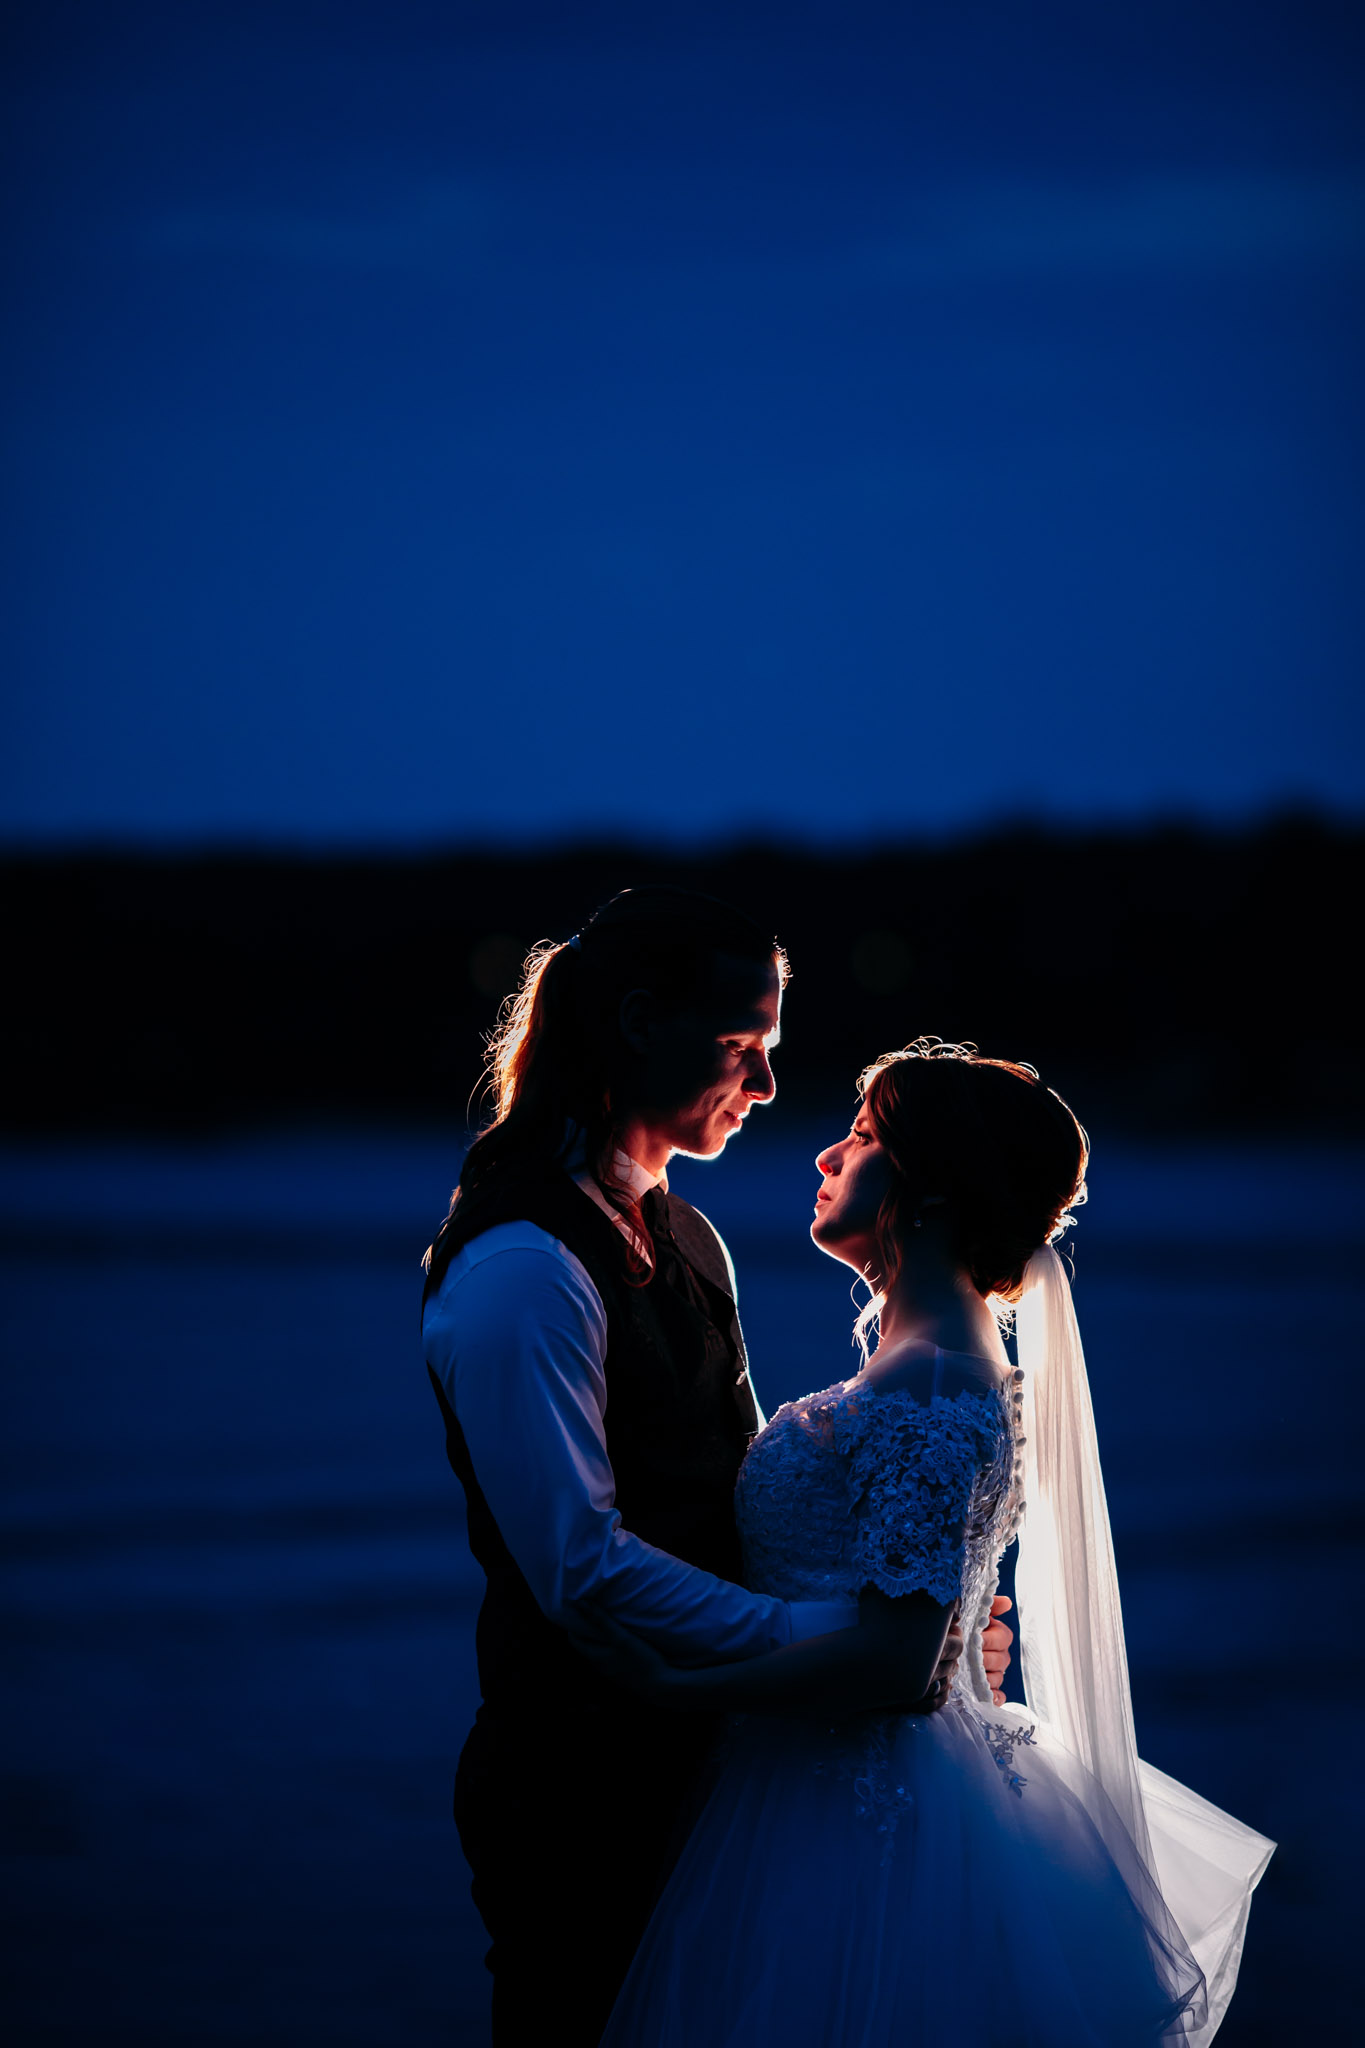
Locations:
(680, 1414)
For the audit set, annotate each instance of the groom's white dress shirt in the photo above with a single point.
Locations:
(517, 1335)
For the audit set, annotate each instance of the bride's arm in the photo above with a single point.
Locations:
(887, 1661)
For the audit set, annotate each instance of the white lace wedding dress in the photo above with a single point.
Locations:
(910, 1881)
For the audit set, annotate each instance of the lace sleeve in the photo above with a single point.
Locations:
(914, 1467)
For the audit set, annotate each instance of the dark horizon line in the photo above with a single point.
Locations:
(246, 849)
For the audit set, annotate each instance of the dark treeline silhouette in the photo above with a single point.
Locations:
(1170, 979)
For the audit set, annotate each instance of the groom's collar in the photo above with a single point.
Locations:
(632, 1178)
(625, 1176)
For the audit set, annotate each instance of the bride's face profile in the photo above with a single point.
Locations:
(857, 1177)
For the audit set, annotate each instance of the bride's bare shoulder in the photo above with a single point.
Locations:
(920, 1369)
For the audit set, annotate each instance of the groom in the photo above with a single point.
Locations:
(582, 1339)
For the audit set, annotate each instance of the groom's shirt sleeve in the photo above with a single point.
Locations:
(517, 1336)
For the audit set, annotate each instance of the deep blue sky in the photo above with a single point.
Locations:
(444, 422)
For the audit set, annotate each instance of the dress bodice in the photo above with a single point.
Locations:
(899, 1489)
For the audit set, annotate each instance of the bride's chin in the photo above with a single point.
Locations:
(842, 1252)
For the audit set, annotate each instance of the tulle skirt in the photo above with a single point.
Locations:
(917, 1880)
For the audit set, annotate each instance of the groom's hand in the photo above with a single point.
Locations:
(995, 1647)
(944, 1673)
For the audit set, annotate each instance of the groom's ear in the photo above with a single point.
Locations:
(636, 1018)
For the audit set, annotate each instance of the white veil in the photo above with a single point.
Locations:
(1075, 1667)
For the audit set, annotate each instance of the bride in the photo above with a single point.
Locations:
(864, 1877)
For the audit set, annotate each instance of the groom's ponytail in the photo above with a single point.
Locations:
(535, 1054)
(556, 1061)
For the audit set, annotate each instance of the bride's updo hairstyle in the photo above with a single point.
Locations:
(557, 1061)
(987, 1139)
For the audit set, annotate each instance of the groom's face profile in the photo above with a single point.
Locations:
(699, 1070)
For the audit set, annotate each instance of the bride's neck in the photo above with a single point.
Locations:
(932, 1301)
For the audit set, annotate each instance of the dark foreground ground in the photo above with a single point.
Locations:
(238, 1611)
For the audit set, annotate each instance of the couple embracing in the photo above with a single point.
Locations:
(743, 1771)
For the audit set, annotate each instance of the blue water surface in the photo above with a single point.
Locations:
(238, 1607)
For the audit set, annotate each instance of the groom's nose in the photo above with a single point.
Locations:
(759, 1081)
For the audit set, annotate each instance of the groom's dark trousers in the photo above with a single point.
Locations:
(567, 1824)
(572, 1795)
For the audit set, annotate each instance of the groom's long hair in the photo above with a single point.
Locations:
(556, 1058)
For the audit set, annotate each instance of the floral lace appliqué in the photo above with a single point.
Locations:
(865, 1759)
(853, 1487)
(1003, 1742)
(929, 1479)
